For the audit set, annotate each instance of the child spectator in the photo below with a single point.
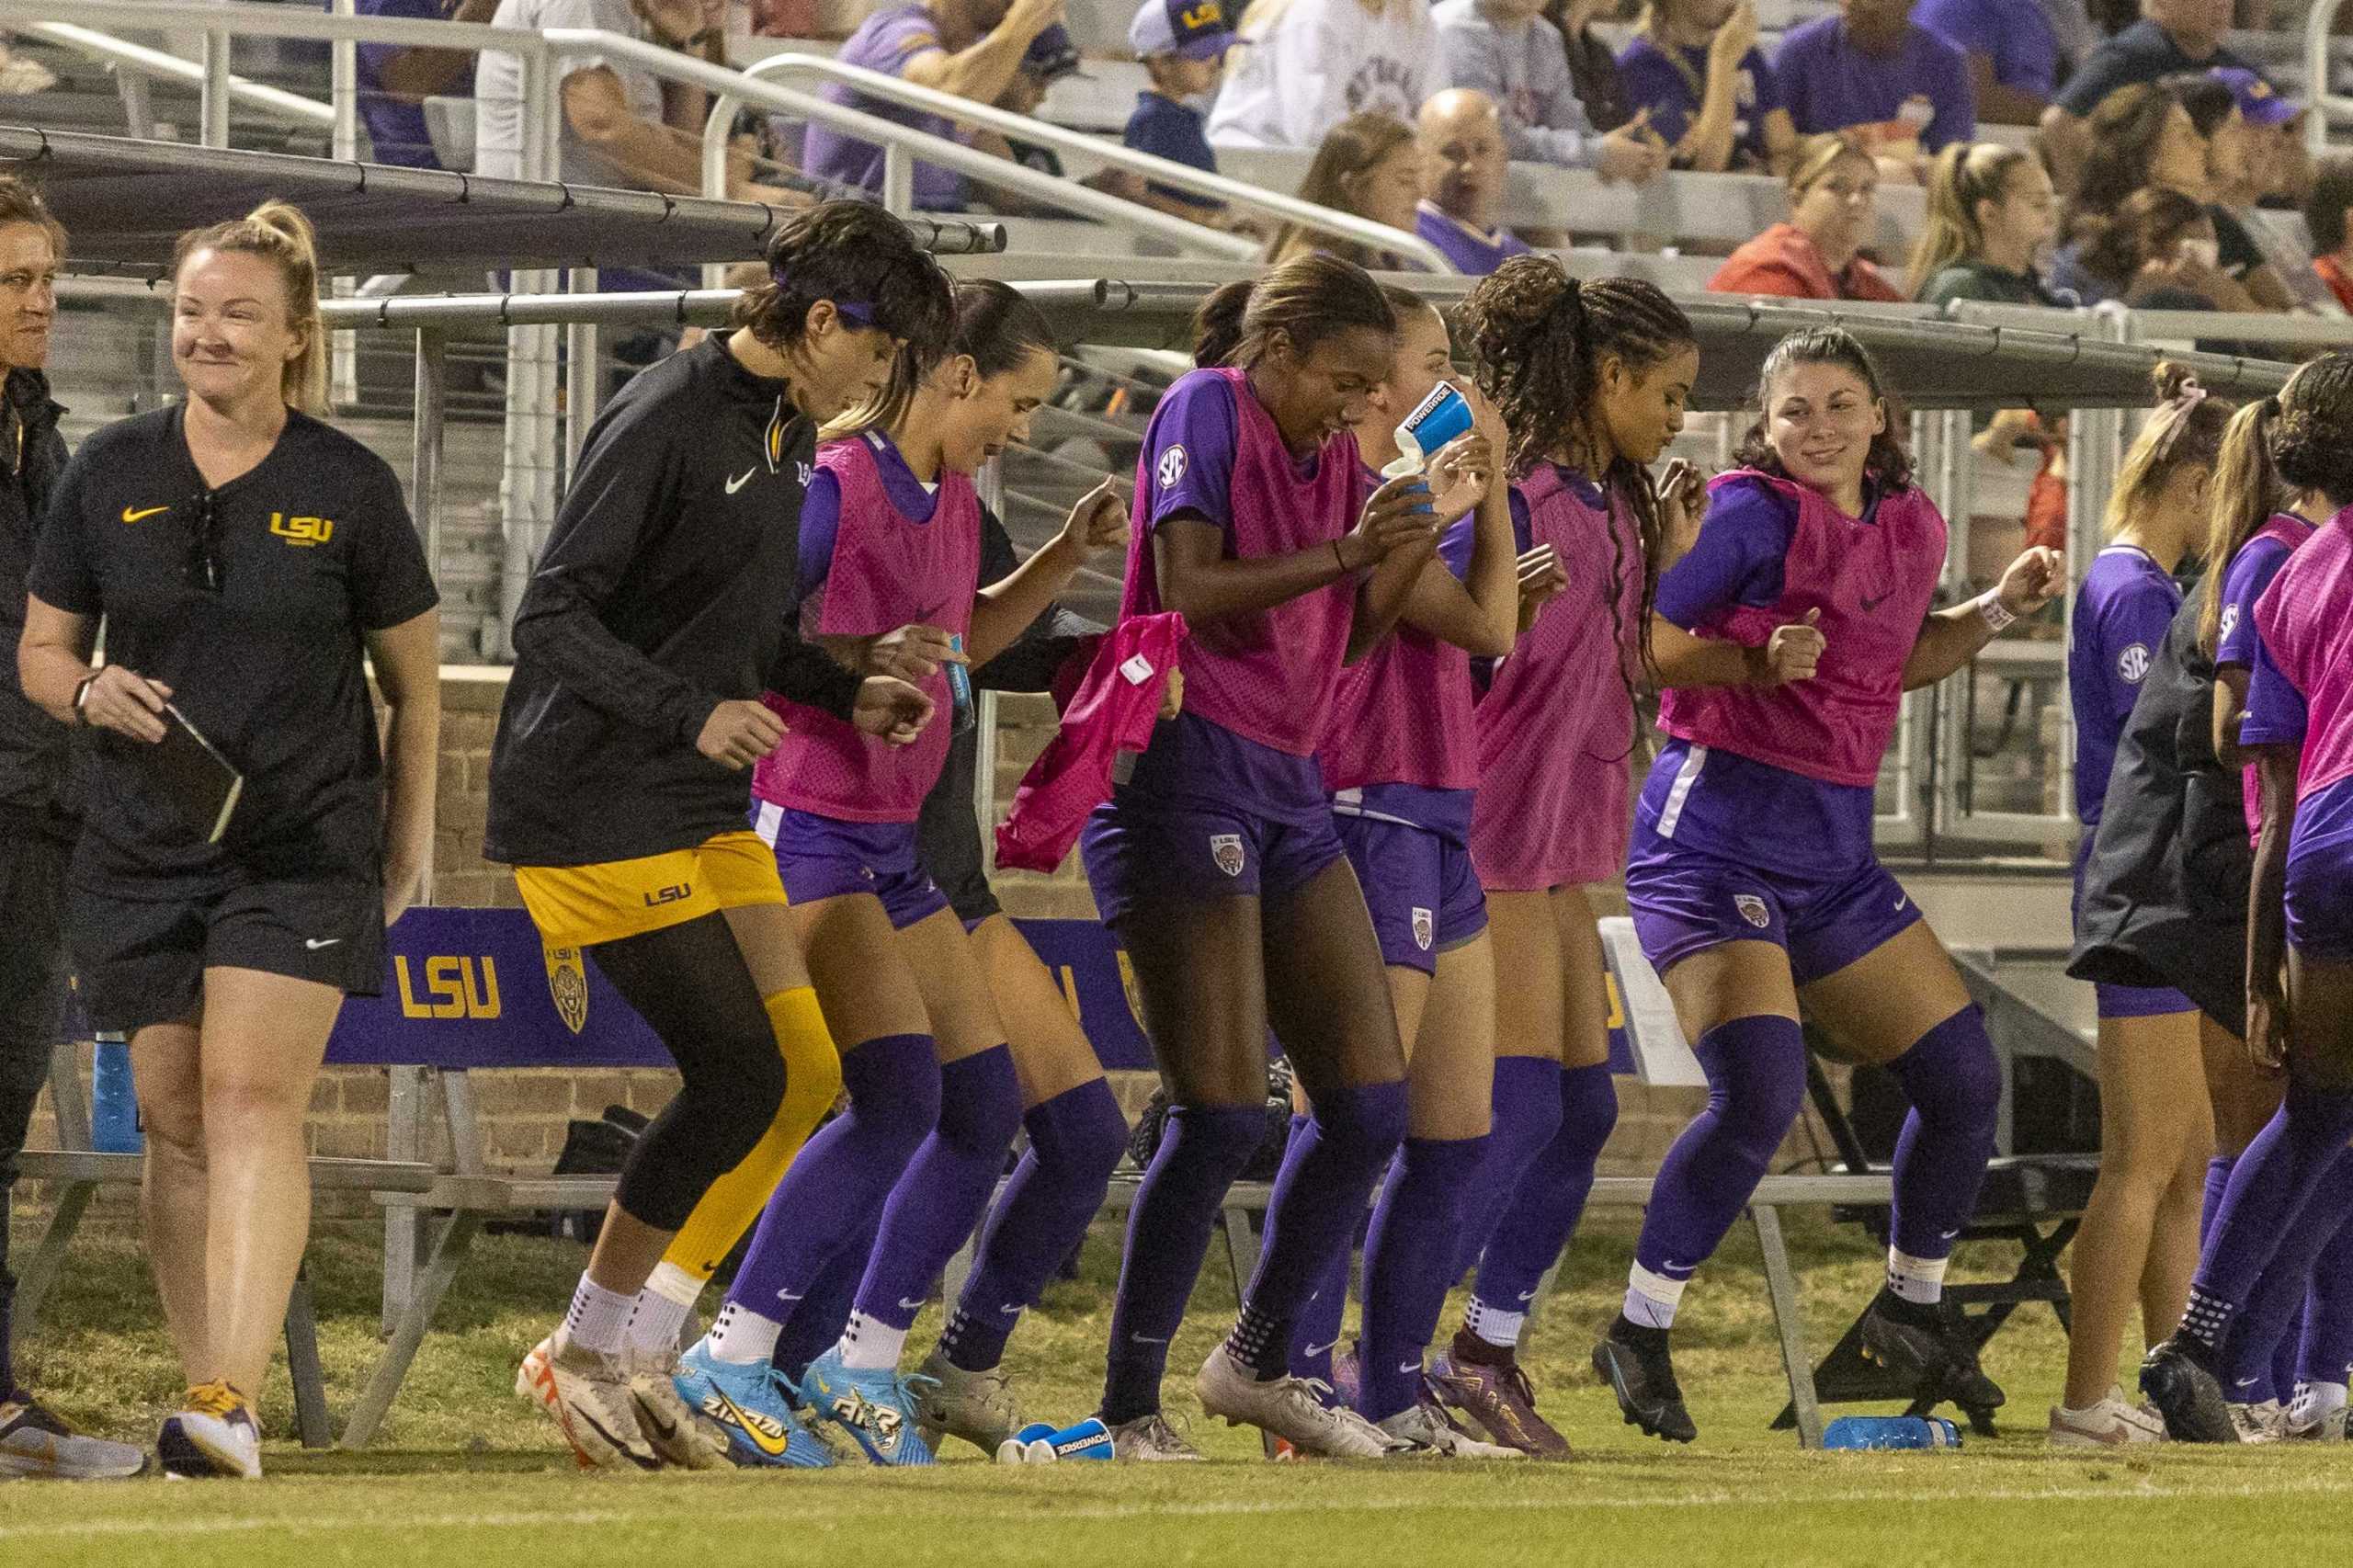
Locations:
(1181, 46)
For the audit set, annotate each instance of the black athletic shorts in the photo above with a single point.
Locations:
(141, 961)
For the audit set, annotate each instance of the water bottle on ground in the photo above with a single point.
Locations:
(114, 1105)
(1890, 1432)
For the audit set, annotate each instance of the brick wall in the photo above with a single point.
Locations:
(524, 1113)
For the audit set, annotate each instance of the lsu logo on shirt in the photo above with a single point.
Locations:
(301, 532)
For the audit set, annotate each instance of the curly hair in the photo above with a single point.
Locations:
(2311, 438)
(1887, 460)
(1537, 338)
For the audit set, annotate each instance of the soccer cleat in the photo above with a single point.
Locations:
(751, 1404)
(875, 1407)
(1423, 1427)
(214, 1435)
(1501, 1399)
(1930, 1346)
(1287, 1407)
(2106, 1423)
(2307, 1423)
(1151, 1439)
(35, 1442)
(2266, 1422)
(1643, 1377)
(2188, 1396)
(586, 1393)
(975, 1406)
(674, 1430)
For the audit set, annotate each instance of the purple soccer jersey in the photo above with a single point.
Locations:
(885, 41)
(1212, 453)
(2122, 610)
(2250, 572)
(1470, 252)
(878, 553)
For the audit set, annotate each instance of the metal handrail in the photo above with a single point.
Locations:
(2325, 104)
(111, 51)
(1160, 171)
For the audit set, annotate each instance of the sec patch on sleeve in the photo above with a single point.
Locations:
(2132, 664)
(1172, 465)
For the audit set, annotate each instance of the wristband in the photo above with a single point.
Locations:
(1997, 615)
(82, 695)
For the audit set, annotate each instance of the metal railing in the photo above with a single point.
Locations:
(898, 151)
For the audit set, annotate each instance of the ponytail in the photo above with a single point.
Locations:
(278, 232)
(1217, 324)
(2245, 494)
(1962, 176)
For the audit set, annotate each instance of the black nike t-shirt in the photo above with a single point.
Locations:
(317, 547)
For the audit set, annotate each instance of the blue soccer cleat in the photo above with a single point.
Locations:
(876, 1407)
(752, 1403)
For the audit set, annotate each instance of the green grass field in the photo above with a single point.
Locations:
(465, 1474)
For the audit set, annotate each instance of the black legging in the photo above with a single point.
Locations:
(691, 985)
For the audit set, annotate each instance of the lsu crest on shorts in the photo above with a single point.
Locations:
(1138, 852)
(1686, 901)
(1419, 887)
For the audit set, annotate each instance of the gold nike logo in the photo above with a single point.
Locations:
(767, 1434)
(129, 515)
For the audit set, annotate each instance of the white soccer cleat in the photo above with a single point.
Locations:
(36, 1442)
(975, 1406)
(1427, 1434)
(586, 1393)
(216, 1435)
(2266, 1422)
(679, 1434)
(2108, 1423)
(1289, 1407)
(1151, 1439)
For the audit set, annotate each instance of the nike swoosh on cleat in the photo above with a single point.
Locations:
(718, 1406)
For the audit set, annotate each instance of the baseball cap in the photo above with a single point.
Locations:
(1051, 55)
(1195, 29)
(2259, 102)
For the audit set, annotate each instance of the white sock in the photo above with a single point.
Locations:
(741, 1336)
(1493, 1326)
(598, 1318)
(661, 1313)
(870, 1346)
(2316, 1402)
(1920, 1280)
(1651, 1299)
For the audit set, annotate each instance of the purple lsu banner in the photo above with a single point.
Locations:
(474, 988)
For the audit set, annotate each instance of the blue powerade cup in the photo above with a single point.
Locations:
(1436, 420)
(1089, 1439)
(1015, 1448)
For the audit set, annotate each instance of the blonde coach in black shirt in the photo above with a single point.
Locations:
(243, 556)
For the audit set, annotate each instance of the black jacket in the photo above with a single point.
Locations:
(34, 747)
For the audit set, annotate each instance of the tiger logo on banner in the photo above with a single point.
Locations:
(568, 985)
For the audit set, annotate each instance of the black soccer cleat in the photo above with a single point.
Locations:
(1634, 1362)
(1931, 1347)
(2187, 1394)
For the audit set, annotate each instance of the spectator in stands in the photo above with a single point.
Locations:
(2326, 211)
(1506, 50)
(972, 48)
(1370, 167)
(2172, 36)
(2013, 51)
(621, 127)
(1870, 70)
(1312, 63)
(1991, 211)
(38, 817)
(1695, 68)
(396, 79)
(1593, 64)
(2250, 164)
(1462, 139)
(1181, 45)
(2159, 252)
(1818, 253)
(2228, 182)
(2139, 137)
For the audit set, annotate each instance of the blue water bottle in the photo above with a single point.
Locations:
(959, 690)
(1890, 1432)
(114, 1103)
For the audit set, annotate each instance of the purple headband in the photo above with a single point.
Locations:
(860, 312)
